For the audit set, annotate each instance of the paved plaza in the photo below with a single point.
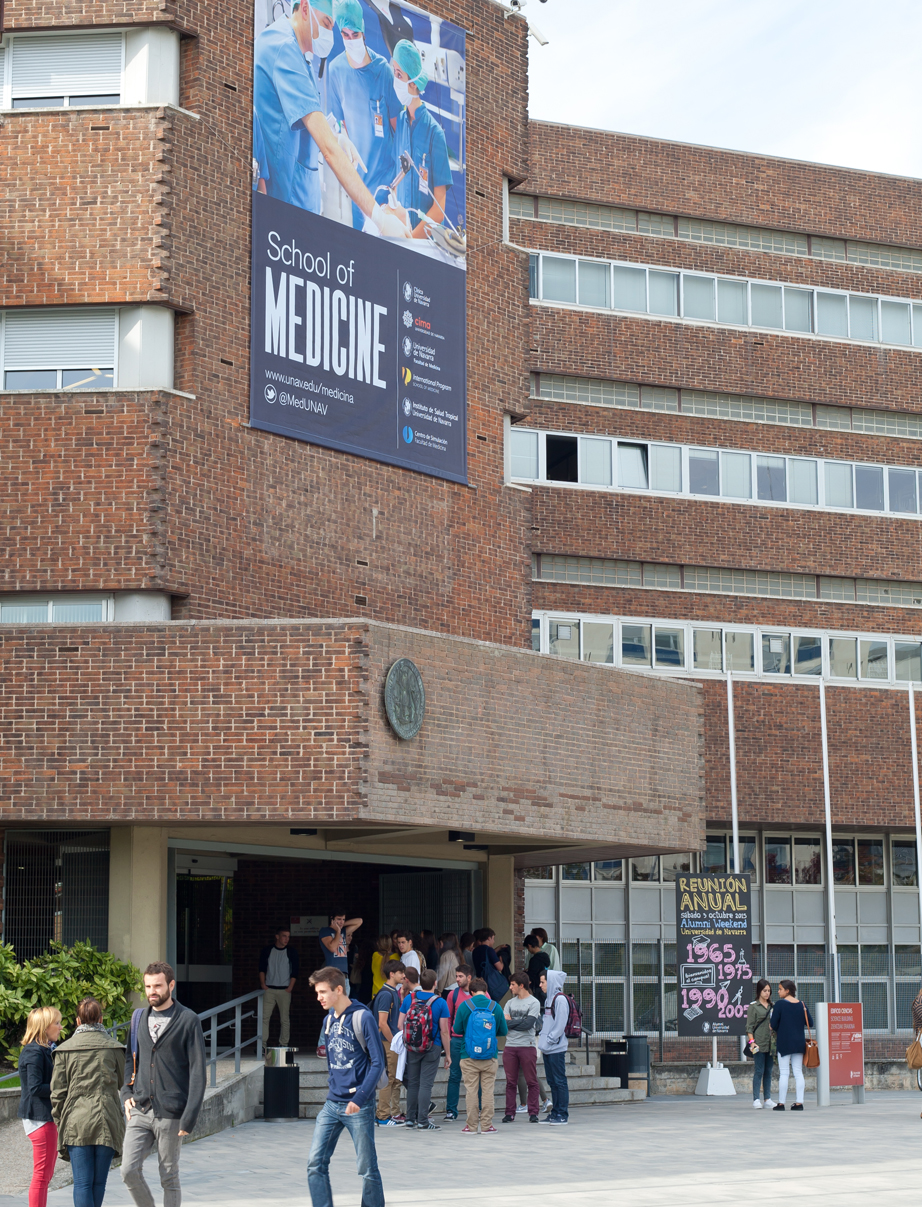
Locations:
(661, 1150)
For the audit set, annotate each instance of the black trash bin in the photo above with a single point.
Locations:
(638, 1058)
(280, 1084)
(613, 1061)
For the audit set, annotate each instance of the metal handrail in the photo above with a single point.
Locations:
(211, 1033)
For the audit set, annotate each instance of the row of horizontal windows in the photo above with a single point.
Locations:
(56, 611)
(726, 301)
(710, 404)
(719, 234)
(719, 580)
(777, 653)
(605, 462)
(59, 70)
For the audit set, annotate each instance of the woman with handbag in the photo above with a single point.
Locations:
(790, 1021)
(760, 1039)
(43, 1029)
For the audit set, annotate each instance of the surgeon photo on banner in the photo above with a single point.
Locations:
(359, 117)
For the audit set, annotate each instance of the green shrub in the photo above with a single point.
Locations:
(61, 977)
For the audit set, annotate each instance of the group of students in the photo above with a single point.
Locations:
(81, 1099)
(777, 1029)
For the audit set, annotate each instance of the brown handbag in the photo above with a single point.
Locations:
(914, 1054)
(811, 1052)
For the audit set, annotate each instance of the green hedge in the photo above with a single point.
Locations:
(61, 977)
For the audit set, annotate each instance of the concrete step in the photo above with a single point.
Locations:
(315, 1079)
(578, 1098)
(578, 1085)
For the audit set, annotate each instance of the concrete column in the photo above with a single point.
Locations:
(138, 885)
(499, 911)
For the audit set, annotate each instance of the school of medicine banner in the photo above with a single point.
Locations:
(359, 241)
(713, 953)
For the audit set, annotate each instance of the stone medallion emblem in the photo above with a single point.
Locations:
(404, 698)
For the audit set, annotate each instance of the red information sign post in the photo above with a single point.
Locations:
(841, 1042)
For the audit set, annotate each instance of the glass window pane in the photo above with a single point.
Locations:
(706, 646)
(766, 306)
(698, 297)
(30, 379)
(874, 1013)
(664, 292)
(542, 873)
(904, 863)
(748, 856)
(843, 862)
(802, 481)
(808, 654)
(665, 467)
(732, 302)
(772, 478)
(843, 659)
(562, 458)
(523, 452)
(907, 961)
(902, 483)
(574, 871)
(646, 998)
(740, 651)
(776, 654)
(875, 959)
(798, 309)
(595, 458)
(23, 613)
(645, 869)
(908, 662)
(608, 869)
(609, 1007)
(736, 476)
(808, 867)
(598, 642)
(838, 484)
(702, 471)
(811, 961)
(76, 613)
(895, 323)
(672, 865)
(777, 861)
(874, 660)
(38, 102)
(558, 279)
(869, 487)
(870, 860)
(533, 276)
(87, 379)
(629, 288)
(917, 326)
(780, 962)
(594, 284)
(635, 644)
(714, 858)
(632, 466)
(832, 314)
(862, 315)
(670, 647)
(563, 638)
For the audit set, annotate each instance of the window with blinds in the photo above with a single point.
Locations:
(55, 70)
(58, 349)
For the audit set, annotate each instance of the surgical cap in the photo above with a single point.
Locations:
(348, 15)
(319, 6)
(408, 59)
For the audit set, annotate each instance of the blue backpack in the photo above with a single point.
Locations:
(480, 1034)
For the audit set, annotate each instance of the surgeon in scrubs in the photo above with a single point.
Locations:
(424, 188)
(294, 127)
(363, 101)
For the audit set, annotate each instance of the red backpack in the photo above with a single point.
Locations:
(417, 1027)
(574, 1025)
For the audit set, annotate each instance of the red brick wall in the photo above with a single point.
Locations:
(51, 14)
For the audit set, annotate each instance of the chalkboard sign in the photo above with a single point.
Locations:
(713, 953)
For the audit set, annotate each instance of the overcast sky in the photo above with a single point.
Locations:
(836, 81)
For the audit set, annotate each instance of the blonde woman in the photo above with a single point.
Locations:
(382, 953)
(43, 1028)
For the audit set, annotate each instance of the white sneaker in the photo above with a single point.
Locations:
(769, 1104)
(757, 1104)
(522, 1109)
(546, 1106)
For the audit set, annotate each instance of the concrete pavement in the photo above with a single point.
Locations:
(714, 1150)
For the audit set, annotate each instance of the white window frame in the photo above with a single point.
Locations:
(779, 832)
(6, 44)
(37, 368)
(50, 599)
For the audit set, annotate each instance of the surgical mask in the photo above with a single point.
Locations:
(355, 48)
(402, 88)
(322, 42)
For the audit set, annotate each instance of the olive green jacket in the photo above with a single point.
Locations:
(757, 1025)
(88, 1071)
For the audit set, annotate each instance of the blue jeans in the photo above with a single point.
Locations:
(555, 1072)
(90, 1166)
(762, 1074)
(458, 1053)
(361, 1127)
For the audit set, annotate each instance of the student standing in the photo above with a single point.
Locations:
(408, 953)
(481, 1021)
(549, 949)
(383, 950)
(88, 1072)
(538, 962)
(523, 1016)
(386, 1009)
(43, 1028)
(553, 1043)
(449, 959)
(789, 1021)
(356, 1062)
(758, 1032)
(488, 964)
(278, 971)
(424, 1023)
(460, 994)
(164, 1086)
(334, 943)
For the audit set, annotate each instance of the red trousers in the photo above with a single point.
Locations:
(514, 1059)
(44, 1156)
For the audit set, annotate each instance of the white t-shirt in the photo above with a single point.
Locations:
(32, 1125)
(410, 959)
